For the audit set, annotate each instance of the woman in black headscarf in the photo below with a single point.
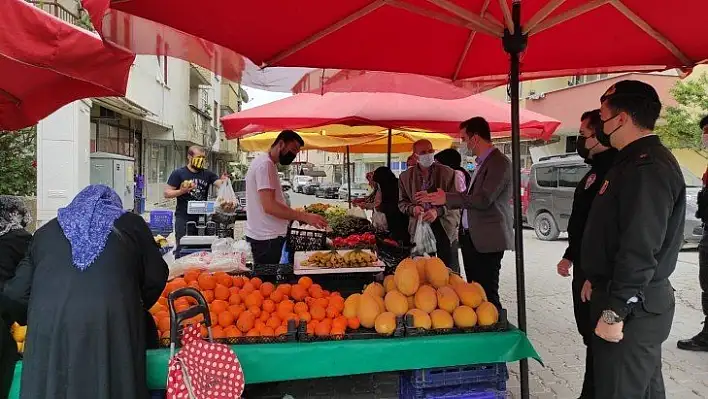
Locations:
(396, 221)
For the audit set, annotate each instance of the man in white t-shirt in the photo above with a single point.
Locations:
(267, 213)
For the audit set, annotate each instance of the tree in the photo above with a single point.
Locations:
(18, 173)
(679, 127)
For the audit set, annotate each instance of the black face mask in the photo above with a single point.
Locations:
(580, 147)
(604, 138)
(287, 158)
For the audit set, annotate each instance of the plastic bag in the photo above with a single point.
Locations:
(199, 260)
(424, 239)
(226, 200)
(357, 212)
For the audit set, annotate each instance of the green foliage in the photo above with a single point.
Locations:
(679, 128)
(18, 149)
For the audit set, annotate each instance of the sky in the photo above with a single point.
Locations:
(258, 97)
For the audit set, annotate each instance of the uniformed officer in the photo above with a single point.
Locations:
(601, 159)
(630, 246)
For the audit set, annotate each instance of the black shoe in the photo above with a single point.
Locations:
(699, 343)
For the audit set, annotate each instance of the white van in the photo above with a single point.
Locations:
(299, 181)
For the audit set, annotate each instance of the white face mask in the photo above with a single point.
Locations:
(426, 160)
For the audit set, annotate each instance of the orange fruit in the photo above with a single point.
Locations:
(191, 275)
(195, 285)
(206, 281)
(232, 332)
(218, 306)
(340, 321)
(226, 319)
(305, 316)
(315, 287)
(163, 324)
(264, 316)
(246, 321)
(277, 296)
(285, 307)
(253, 333)
(235, 310)
(181, 308)
(221, 292)
(156, 308)
(162, 301)
(321, 302)
(325, 293)
(300, 307)
(267, 289)
(267, 332)
(203, 331)
(238, 281)
(280, 330)
(208, 295)
(353, 323)
(181, 301)
(224, 279)
(285, 288)
(317, 312)
(310, 329)
(273, 321)
(259, 325)
(305, 282)
(214, 317)
(253, 299)
(332, 312)
(178, 283)
(288, 317)
(234, 290)
(256, 282)
(337, 330)
(336, 294)
(217, 332)
(165, 334)
(161, 314)
(298, 293)
(316, 292)
(255, 310)
(268, 306)
(248, 288)
(234, 299)
(322, 329)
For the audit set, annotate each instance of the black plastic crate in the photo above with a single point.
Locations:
(492, 373)
(290, 336)
(304, 240)
(464, 391)
(359, 333)
(500, 326)
(391, 255)
(276, 274)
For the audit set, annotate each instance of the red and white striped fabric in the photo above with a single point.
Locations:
(204, 370)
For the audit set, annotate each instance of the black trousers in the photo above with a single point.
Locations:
(181, 229)
(703, 270)
(632, 368)
(586, 329)
(454, 264)
(266, 252)
(482, 267)
(443, 246)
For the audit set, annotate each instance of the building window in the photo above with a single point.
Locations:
(215, 117)
(114, 133)
(162, 66)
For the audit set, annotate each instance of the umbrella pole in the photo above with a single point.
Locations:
(388, 158)
(514, 44)
(349, 181)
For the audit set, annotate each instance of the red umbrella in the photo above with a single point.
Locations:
(454, 39)
(387, 110)
(47, 63)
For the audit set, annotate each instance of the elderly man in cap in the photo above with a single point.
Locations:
(630, 246)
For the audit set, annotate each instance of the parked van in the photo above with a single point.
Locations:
(299, 182)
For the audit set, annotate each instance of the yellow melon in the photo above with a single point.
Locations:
(385, 323)
(411, 302)
(436, 273)
(420, 266)
(406, 277)
(420, 319)
(455, 279)
(375, 289)
(368, 310)
(389, 283)
(426, 299)
(380, 302)
(351, 305)
(464, 317)
(481, 290)
(487, 314)
(447, 299)
(469, 295)
(441, 319)
(396, 303)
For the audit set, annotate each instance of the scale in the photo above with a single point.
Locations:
(200, 234)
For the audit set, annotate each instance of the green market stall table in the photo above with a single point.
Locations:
(348, 357)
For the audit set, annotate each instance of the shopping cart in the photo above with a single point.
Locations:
(200, 369)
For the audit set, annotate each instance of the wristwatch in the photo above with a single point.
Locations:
(610, 317)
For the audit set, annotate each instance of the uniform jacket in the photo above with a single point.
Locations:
(487, 203)
(411, 181)
(635, 229)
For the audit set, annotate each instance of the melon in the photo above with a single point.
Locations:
(385, 323)
(380, 302)
(375, 289)
(367, 310)
(447, 299)
(436, 273)
(411, 302)
(389, 283)
(441, 319)
(469, 295)
(481, 290)
(420, 319)
(351, 305)
(420, 266)
(406, 277)
(426, 299)
(396, 303)
(487, 314)
(456, 279)
(464, 317)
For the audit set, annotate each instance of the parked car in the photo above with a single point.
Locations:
(525, 173)
(552, 183)
(299, 181)
(286, 185)
(327, 190)
(359, 190)
(310, 188)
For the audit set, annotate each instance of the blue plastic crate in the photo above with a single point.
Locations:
(161, 219)
(447, 376)
(487, 390)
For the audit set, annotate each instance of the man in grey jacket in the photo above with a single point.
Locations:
(486, 230)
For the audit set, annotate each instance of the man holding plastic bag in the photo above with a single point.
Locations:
(433, 228)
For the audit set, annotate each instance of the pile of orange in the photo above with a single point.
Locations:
(240, 306)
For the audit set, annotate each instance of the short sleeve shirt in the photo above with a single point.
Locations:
(263, 175)
(203, 180)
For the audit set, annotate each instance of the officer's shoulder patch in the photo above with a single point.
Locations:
(591, 179)
(644, 159)
(604, 187)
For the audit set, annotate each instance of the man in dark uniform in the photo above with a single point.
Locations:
(601, 159)
(700, 341)
(630, 246)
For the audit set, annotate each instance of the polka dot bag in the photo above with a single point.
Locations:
(204, 370)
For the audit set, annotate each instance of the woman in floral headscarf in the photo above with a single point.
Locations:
(91, 272)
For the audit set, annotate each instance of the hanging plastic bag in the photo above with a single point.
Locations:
(424, 239)
(357, 213)
(226, 200)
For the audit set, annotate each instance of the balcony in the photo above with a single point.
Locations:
(199, 131)
(76, 17)
(230, 98)
(198, 76)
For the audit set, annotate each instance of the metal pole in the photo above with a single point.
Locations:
(388, 158)
(349, 180)
(514, 44)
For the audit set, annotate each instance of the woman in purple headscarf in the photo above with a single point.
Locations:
(84, 285)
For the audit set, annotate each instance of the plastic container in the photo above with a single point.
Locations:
(391, 255)
(290, 336)
(161, 219)
(493, 373)
(464, 391)
(304, 240)
(359, 333)
(500, 326)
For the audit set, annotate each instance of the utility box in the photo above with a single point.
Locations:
(115, 171)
